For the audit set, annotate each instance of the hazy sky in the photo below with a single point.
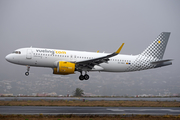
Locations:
(87, 25)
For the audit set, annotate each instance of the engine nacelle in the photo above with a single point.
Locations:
(64, 68)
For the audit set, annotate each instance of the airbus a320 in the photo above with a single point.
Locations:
(64, 62)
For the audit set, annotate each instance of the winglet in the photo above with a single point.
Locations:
(118, 51)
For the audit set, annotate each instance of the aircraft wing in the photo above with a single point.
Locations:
(89, 64)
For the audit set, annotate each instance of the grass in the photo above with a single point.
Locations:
(91, 103)
(90, 117)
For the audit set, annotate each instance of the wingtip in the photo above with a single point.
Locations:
(118, 51)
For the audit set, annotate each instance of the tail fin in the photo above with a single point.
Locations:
(152, 56)
(157, 47)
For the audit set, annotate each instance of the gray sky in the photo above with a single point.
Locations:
(88, 25)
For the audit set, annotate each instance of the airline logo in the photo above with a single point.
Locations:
(44, 51)
(60, 52)
(50, 51)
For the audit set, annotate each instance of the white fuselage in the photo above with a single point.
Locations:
(65, 62)
(42, 57)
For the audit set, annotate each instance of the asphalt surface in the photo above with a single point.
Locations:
(89, 99)
(49, 110)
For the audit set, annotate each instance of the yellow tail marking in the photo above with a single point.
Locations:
(98, 51)
(118, 51)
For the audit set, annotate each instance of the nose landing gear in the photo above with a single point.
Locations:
(27, 73)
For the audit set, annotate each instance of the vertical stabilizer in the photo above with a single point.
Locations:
(157, 47)
(154, 52)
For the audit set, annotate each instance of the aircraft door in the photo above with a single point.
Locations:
(29, 54)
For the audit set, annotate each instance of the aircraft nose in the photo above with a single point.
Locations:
(8, 58)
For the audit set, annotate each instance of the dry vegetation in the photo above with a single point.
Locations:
(74, 117)
(91, 103)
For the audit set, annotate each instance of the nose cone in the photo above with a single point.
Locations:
(8, 58)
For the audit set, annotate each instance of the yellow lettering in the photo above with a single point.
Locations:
(60, 52)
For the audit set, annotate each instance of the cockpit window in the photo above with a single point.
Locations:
(17, 52)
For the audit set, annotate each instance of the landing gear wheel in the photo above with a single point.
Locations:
(81, 77)
(28, 68)
(86, 76)
(26, 73)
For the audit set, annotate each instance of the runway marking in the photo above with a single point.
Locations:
(119, 110)
(87, 110)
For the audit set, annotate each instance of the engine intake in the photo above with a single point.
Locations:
(64, 68)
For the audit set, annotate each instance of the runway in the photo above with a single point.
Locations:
(53, 110)
(89, 98)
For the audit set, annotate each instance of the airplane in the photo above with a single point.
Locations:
(65, 62)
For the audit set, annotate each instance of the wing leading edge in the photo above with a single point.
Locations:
(89, 64)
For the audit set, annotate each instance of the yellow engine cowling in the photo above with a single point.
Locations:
(64, 68)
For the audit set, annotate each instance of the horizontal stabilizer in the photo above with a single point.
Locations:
(160, 62)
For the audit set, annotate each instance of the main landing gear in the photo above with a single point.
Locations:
(84, 77)
(27, 73)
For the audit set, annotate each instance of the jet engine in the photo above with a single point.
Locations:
(64, 68)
